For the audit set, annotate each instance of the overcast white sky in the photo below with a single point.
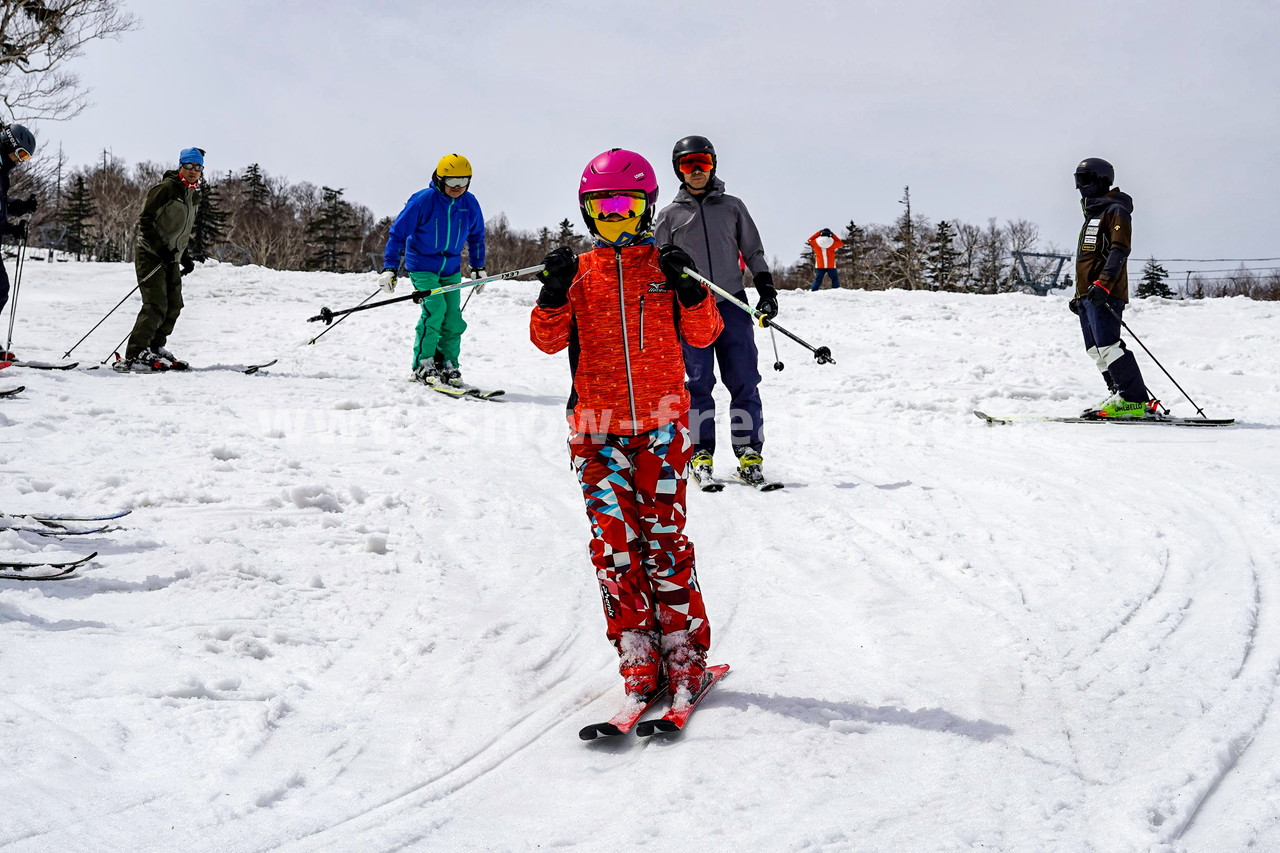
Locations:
(820, 111)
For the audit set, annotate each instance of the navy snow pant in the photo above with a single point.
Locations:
(1101, 330)
(4, 287)
(735, 351)
(830, 273)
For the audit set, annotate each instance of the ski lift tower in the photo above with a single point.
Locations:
(1048, 275)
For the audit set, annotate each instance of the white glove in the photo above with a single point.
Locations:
(387, 281)
(478, 273)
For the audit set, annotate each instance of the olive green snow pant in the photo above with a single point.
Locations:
(441, 325)
(161, 286)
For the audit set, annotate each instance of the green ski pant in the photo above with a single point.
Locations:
(441, 325)
(161, 287)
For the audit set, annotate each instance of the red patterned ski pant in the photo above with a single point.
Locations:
(634, 487)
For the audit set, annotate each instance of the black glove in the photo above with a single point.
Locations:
(18, 230)
(672, 260)
(561, 269)
(167, 256)
(768, 304)
(187, 264)
(1074, 305)
(23, 206)
(1098, 293)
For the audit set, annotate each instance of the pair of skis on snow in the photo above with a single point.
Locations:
(463, 391)
(243, 368)
(1168, 420)
(671, 722)
(52, 525)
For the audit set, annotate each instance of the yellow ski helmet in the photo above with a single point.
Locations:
(454, 168)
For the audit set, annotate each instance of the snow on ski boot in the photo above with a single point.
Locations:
(750, 465)
(638, 662)
(686, 665)
(146, 361)
(171, 360)
(426, 374)
(701, 465)
(451, 375)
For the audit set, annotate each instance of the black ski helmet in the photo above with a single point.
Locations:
(1094, 176)
(692, 145)
(16, 136)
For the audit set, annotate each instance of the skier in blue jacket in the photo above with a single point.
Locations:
(429, 235)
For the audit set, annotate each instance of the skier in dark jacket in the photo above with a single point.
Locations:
(1102, 290)
(716, 229)
(17, 145)
(161, 260)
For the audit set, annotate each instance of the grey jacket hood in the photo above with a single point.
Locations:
(714, 229)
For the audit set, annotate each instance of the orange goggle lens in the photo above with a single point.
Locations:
(690, 163)
(626, 205)
(23, 154)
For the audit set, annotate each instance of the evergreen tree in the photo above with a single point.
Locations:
(1153, 276)
(255, 183)
(211, 222)
(856, 248)
(331, 233)
(904, 259)
(77, 212)
(940, 262)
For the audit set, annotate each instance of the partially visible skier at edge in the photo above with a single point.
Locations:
(1102, 290)
(621, 310)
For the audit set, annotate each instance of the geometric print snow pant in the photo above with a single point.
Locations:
(634, 487)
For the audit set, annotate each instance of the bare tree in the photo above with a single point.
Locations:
(38, 38)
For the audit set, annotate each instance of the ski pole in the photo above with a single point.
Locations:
(331, 325)
(116, 351)
(1199, 410)
(17, 286)
(821, 354)
(67, 354)
(327, 315)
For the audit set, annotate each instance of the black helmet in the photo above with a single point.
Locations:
(1094, 177)
(16, 136)
(692, 145)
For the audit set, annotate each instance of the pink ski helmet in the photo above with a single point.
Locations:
(619, 170)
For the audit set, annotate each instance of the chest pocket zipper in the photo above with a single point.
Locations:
(642, 296)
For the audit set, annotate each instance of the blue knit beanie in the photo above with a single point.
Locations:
(191, 155)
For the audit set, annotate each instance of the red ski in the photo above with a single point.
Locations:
(622, 722)
(678, 715)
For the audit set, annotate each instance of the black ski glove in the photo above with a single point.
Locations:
(1098, 293)
(187, 264)
(1074, 305)
(167, 256)
(23, 206)
(672, 260)
(18, 230)
(561, 269)
(768, 304)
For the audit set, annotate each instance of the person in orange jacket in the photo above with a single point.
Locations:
(824, 245)
(622, 310)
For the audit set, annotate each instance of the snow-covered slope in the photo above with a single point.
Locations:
(347, 613)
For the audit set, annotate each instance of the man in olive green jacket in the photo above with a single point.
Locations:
(161, 260)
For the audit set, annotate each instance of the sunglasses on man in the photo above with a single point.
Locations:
(193, 167)
(457, 182)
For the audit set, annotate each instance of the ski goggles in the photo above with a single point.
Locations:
(22, 154)
(192, 167)
(456, 182)
(690, 163)
(626, 205)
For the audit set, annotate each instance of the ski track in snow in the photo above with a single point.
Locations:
(347, 613)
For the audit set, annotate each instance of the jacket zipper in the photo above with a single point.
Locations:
(626, 342)
(448, 235)
(706, 239)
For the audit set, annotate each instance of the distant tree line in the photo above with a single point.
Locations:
(250, 217)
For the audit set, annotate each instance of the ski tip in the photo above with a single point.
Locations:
(599, 730)
(649, 728)
(772, 487)
(712, 487)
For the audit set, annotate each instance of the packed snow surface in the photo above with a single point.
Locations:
(347, 613)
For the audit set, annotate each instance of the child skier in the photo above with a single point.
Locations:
(622, 310)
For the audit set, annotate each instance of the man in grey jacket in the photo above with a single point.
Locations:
(717, 231)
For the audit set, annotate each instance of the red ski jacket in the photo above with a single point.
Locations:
(623, 327)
